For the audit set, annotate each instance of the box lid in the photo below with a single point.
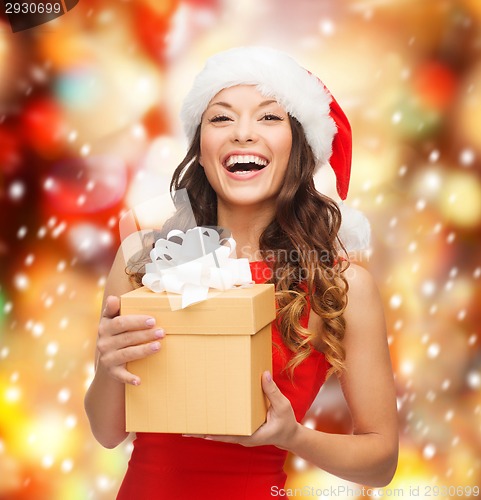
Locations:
(236, 311)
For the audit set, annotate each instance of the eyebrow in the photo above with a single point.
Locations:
(227, 105)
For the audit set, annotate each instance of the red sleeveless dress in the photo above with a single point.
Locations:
(170, 466)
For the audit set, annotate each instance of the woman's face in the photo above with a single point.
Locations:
(245, 144)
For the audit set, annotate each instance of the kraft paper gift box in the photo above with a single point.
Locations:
(206, 378)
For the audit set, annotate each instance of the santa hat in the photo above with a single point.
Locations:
(299, 92)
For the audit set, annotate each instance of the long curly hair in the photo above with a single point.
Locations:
(300, 244)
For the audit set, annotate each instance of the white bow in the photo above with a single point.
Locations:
(192, 262)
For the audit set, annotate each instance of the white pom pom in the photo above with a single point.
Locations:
(355, 231)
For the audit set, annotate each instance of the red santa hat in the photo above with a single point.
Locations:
(300, 93)
(275, 74)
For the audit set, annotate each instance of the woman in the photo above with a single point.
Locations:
(259, 127)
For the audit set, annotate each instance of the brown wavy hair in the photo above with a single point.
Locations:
(301, 246)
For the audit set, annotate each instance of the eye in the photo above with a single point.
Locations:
(268, 117)
(219, 119)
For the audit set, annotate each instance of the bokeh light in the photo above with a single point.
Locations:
(89, 129)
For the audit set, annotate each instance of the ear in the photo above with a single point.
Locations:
(199, 160)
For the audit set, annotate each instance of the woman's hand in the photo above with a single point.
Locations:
(280, 427)
(125, 338)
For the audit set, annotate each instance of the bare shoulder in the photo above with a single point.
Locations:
(360, 280)
(365, 337)
(363, 294)
(365, 322)
(363, 300)
(118, 281)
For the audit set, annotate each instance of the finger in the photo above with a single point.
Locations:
(219, 438)
(128, 354)
(124, 323)
(112, 311)
(129, 339)
(121, 374)
(112, 307)
(274, 395)
(127, 323)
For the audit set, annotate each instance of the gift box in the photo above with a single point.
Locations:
(206, 378)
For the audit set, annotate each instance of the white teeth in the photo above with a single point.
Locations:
(245, 159)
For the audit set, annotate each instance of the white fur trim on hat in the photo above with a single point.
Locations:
(355, 231)
(276, 75)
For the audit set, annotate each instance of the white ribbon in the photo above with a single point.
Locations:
(192, 262)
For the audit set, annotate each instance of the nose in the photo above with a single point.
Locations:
(244, 131)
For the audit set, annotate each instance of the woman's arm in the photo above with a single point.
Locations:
(369, 455)
(120, 339)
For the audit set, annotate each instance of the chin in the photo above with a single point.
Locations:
(250, 200)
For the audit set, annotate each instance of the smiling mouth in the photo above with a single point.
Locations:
(245, 164)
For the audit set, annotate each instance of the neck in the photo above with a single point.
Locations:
(246, 224)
